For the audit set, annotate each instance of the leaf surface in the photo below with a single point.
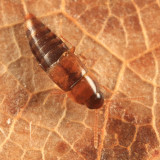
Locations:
(119, 42)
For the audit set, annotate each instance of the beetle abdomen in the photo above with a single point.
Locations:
(45, 45)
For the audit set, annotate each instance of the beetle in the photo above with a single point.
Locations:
(64, 67)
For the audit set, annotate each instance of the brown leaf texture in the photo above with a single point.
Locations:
(119, 42)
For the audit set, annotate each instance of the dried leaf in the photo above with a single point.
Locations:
(119, 43)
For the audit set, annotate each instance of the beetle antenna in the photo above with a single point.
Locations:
(96, 112)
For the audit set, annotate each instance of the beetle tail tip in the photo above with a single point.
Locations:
(29, 16)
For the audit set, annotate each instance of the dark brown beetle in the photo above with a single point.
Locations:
(61, 64)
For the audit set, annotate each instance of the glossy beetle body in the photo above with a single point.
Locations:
(61, 64)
